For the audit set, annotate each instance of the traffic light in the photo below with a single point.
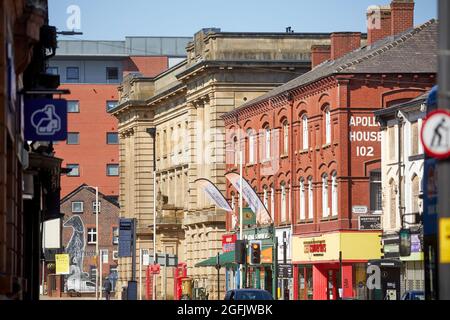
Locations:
(240, 252)
(255, 253)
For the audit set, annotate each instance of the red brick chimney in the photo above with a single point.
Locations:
(319, 53)
(384, 21)
(343, 43)
(402, 16)
(378, 23)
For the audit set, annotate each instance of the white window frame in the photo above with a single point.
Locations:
(325, 207)
(327, 125)
(302, 199)
(285, 138)
(272, 201)
(334, 195)
(251, 146)
(90, 234)
(266, 197)
(113, 236)
(310, 199)
(104, 253)
(82, 206)
(115, 255)
(267, 142)
(305, 137)
(99, 207)
(283, 196)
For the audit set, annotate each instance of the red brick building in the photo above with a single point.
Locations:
(80, 217)
(312, 149)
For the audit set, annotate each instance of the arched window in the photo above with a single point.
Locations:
(251, 146)
(283, 201)
(272, 201)
(235, 151)
(415, 191)
(266, 197)
(334, 195)
(325, 208)
(327, 125)
(285, 137)
(305, 141)
(310, 199)
(302, 199)
(267, 141)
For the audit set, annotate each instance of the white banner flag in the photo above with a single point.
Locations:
(214, 194)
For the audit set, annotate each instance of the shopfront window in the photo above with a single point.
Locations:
(359, 281)
(305, 283)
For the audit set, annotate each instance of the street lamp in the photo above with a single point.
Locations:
(97, 275)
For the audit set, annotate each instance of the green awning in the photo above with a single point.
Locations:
(225, 259)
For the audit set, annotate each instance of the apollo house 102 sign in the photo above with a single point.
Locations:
(435, 135)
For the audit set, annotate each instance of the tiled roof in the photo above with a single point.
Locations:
(414, 51)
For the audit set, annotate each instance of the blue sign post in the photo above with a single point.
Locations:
(45, 120)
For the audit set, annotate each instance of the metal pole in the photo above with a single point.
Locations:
(218, 276)
(154, 232)
(274, 272)
(166, 257)
(140, 272)
(443, 166)
(101, 276)
(241, 210)
(96, 243)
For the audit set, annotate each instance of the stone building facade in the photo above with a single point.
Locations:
(185, 105)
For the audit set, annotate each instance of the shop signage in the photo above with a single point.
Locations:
(369, 222)
(45, 120)
(285, 271)
(360, 209)
(315, 247)
(228, 242)
(62, 264)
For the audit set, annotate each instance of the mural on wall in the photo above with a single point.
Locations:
(75, 249)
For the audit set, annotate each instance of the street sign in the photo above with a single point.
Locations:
(45, 120)
(360, 209)
(369, 222)
(126, 229)
(285, 271)
(435, 135)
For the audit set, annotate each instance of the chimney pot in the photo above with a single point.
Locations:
(319, 54)
(343, 43)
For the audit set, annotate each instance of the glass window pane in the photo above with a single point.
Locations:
(77, 206)
(112, 74)
(73, 73)
(73, 106)
(52, 70)
(73, 138)
(112, 170)
(75, 170)
(110, 105)
(112, 138)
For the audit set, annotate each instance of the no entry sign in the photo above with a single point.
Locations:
(435, 134)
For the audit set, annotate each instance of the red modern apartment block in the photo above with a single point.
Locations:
(313, 150)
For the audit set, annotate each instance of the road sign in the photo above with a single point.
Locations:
(285, 271)
(126, 229)
(435, 135)
(45, 120)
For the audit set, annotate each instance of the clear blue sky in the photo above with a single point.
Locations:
(115, 19)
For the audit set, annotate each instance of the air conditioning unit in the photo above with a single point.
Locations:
(115, 255)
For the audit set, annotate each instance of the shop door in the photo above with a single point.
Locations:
(332, 293)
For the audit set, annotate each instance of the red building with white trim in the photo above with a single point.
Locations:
(312, 148)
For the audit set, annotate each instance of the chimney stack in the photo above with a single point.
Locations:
(384, 21)
(319, 54)
(343, 43)
(402, 13)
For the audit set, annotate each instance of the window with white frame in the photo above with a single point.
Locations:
(94, 206)
(115, 231)
(266, 197)
(305, 132)
(92, 236)
(334, 195)
(236, 151)
(327, 125)
(267, 142)
(251, 146)
(105, 255)
(325, 208)
(272, 201)
(415, 192)
(414, 138)
(375, 191)
(285, 137)
(310, 199)
(77, 207)
(302, 199)
(283, 202)
(115, 255)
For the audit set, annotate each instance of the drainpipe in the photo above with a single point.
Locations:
(400, 166)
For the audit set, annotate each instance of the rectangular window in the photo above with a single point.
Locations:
(115, 232)
(92, 236)
(72, 74)
(73, 138)
(112, 74)
(77, 207)
(305, 132)
(94, 207)
(104, 255)
(267, 144)
(75, 170)
(111, 105)
(302, 200)
(112, 138)
(328, 126)
(73, 106)
(391, 142)
(375, 191)
(52, 70)
(112, 170)
(325, 208)
(283, 203)
(310, 199)
(285, 138)
(251, 148)
(414, 138)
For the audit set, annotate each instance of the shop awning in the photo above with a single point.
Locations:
(225, 259)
